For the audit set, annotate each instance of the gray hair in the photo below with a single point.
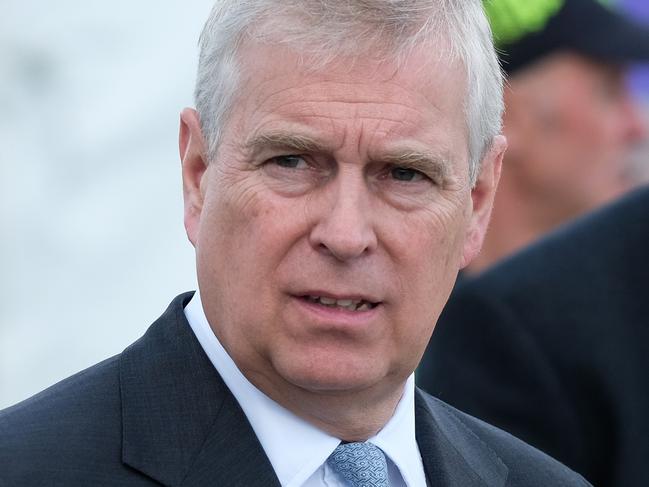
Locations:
(325, 29)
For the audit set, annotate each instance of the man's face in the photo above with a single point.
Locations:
(331, 226)
(571, 123)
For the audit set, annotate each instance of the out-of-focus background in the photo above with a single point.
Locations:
(92, 245)
(639, 81)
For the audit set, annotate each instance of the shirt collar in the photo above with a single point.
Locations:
(398, 441)
(295, 461)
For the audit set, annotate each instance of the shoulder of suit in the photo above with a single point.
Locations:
(78, 393)
(82, 409)
(63, 425)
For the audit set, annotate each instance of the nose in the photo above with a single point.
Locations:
(344, 228)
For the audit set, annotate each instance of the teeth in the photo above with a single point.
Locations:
(349, 304)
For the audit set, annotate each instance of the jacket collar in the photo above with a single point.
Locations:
(452, 454)
(181, 425)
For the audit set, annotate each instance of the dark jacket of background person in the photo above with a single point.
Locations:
(553, 346)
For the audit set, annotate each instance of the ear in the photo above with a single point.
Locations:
(482, 197)
(194, 164)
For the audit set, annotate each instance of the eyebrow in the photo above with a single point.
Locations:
(434, 165)
(284, 140)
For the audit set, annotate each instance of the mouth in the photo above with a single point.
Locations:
(356, 305)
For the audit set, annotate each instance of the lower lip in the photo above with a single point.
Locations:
(335, 316)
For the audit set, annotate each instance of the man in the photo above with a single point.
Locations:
(338, 171)
(570, 120)
(553, 346)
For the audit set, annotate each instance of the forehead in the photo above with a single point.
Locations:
(421, 97)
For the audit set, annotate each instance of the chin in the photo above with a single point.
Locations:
(333, 375)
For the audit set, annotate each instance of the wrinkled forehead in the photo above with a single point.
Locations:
(423, 69)
(420, 98)
(427, 72)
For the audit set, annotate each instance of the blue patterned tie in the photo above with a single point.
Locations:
(360, 464)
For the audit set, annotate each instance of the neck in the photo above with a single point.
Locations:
(348, 415)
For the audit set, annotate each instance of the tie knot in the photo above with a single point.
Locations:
(360, 464)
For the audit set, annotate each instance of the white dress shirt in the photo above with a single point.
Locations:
(299, 457)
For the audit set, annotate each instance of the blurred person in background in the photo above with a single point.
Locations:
(570, 119)
(552, 345)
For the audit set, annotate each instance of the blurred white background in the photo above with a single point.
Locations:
(93, 247)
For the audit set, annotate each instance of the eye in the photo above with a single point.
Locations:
(406, 174)
(290, 162)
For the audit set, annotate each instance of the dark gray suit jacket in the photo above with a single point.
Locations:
(159, 413)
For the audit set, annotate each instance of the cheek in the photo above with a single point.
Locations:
(241, 243)
(430, 257)
(427, 280)
(227, 244)
(252, 233)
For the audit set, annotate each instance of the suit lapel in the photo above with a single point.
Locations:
(452, 455)
(181, 424)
